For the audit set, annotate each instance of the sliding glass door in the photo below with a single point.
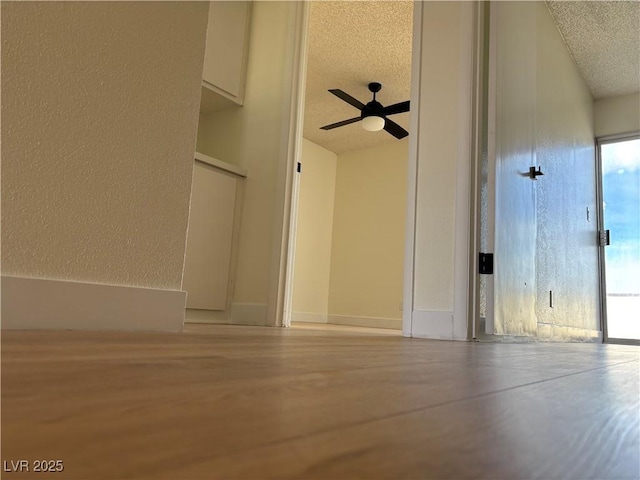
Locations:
(620, 237)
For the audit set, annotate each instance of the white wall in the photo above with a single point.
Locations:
(254, 137)
(368, 235)
(617, 115)
(534, 82)
(314, 233)
(515, 151)
(437, 259)
(545, 241)
(566, 250)
(99, 114)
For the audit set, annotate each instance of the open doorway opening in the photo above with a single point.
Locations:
(349, 204)
(619, 176)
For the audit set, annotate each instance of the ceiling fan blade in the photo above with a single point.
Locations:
(396, 108)
(347, 98)
(341, 124)
(394, 129)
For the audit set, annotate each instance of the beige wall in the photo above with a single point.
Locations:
(367, 250)
(99, 114)
(314, 232)
(350, 235)
(617, 115)
(254, 137)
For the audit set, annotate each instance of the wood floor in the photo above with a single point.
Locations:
(248, 402)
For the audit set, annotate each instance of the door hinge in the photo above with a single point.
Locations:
(299, 168)
(604, 238)
(485, 264)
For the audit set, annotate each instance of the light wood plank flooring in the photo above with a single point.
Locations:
(248, 402)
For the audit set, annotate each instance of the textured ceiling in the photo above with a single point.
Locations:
(604, 39)
(353, 43)
(350, 45)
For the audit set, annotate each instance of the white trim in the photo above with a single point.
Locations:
(38, 303)
(618, 137)
(602, 272)
(372, 322)
(291, 250)
(216, 317)
(291, 148)
(433, 324)
(465, 202)
(412, 172)
(249, 314)
(307, 317)
(413, 320)
(602, 277)
(547, 332)
(492, 145)
(476, 167)
(214, 162)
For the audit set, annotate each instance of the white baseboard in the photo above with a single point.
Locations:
(34, 303)
(249, 314)
(373, 322)
(307, 317)
(548, 332)
(214, 317)
(433, 324)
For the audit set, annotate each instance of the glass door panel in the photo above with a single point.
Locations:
(620, 169)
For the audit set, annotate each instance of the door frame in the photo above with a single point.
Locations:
(600, 221)
(281, 271)
(465, 261)
(281, 295)
(464, 315)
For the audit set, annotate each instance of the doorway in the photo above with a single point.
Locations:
(346, 239)
(619, 237)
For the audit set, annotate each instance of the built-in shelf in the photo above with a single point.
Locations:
(213, 99)
(214, 162)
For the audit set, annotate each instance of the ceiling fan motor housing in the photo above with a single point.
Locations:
(372, 109)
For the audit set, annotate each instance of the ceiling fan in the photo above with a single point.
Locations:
(373, 114)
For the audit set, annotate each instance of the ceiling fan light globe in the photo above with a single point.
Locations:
(373, 123)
